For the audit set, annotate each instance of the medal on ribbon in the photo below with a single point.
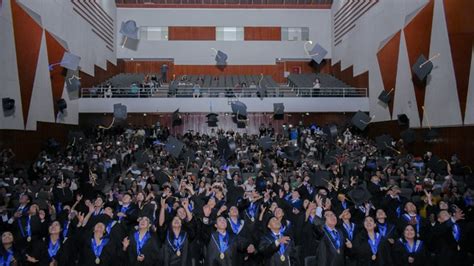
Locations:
(97, 249)
(177, 243)
(374, 245)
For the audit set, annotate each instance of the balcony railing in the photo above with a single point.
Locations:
(214, 92)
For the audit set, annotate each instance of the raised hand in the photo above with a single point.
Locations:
(250, 249)
(348, 243)
(284, 240)
(125, 243)
(458, 214)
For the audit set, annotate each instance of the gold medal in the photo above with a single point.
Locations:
(28, 239)
(459, 247)
(374, 257)
(222, 256)
(178, 253)
(338, 251)
(97, 260)
(282, 258)
(252, 219)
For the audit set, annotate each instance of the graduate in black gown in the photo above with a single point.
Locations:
(96, 249)
(53, 250)
(276, 246)
(140, 247)
(176, 236)
(242, 231)
(8, 254)
(410, 251)
(385, 228)
(450, 239)
(350, 231)
(222, 247)
(370, 247)
(412, 217)
(333, 246)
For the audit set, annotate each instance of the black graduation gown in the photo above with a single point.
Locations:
(212, 257)
(246, 236)
(400, 255)
(423, 226)
(16, 256)
(21, 233)
(39, 250)
(445, 246)
(169, 253)
(363, 253)
(391, 205)
(87, 258)
(131, 218)
(391, 231)
(271, 254)
(350, 260)
(310, 239)
(150, 250)
(326, 254)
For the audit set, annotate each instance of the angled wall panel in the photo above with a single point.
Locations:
(405, 101)
(42, 106)
(9, 75)
(441, 96)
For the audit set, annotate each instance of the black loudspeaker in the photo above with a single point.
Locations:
(403, 120)
(8, 104)
(61, 104)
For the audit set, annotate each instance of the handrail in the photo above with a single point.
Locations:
(247, 92)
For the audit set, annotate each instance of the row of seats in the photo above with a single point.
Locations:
(225, 80)
(307, 80)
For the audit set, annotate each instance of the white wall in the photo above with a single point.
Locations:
(166, 105)
(9, 82)
(76, 36)
(359, 49)
(239, 52)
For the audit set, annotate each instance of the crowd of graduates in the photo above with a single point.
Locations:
(142, 197)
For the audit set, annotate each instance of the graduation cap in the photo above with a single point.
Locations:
(278, 111)
(221, 58)
(174, 146)
(265, 143)
(212, 119)
(403, 120)
(319, 178)
(422, 67)
(176, 118)
(291, 153)
(408, 136)
(317, 53)
(70, 61)
(129, 29)
(361, 120)
(120, 111)
(385, 96)
(359, 195)
(239, 109)
(384, 141)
